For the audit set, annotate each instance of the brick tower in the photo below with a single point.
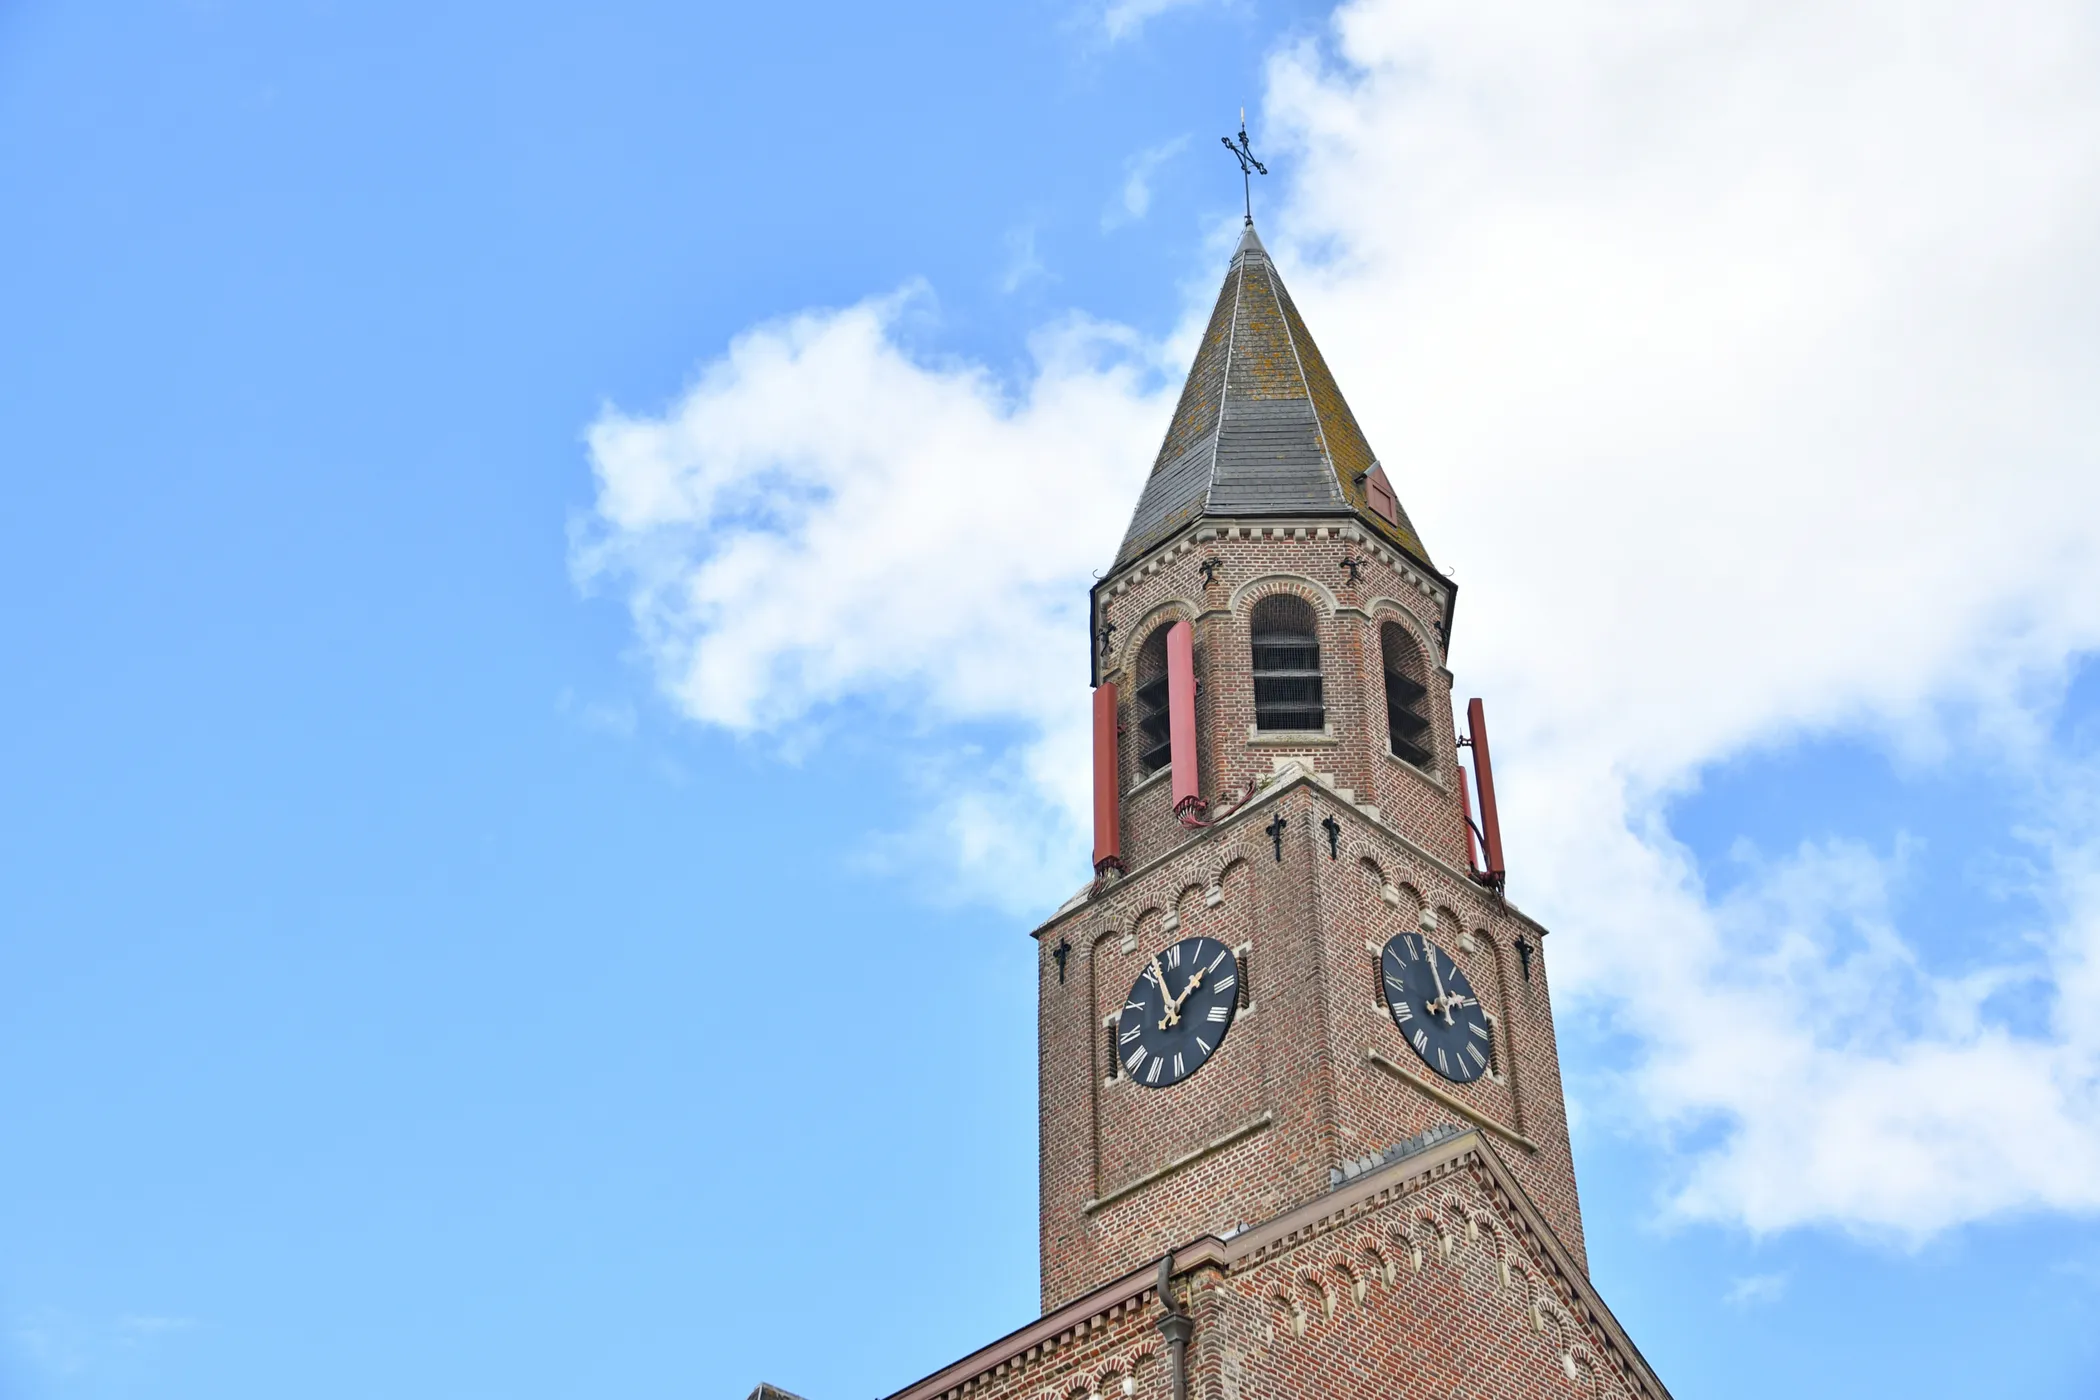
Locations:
(1302, 1132)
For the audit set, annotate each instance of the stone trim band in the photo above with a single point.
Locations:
(1451, 1101)
(1247, 1129)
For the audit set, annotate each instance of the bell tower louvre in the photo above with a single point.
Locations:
(1301, 1124)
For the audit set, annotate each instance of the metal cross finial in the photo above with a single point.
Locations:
(1249, 166)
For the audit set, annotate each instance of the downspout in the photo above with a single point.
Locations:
(1181, 722)
(1177, 1327)
(1108, 784)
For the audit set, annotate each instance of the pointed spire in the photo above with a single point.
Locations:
(1262, 428)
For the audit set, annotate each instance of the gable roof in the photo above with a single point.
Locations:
(1261, 428)
(1399, 1178)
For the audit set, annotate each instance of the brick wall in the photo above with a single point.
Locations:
(1433, 1276)
(1314, 1071)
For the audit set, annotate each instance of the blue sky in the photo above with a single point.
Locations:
(475, 478)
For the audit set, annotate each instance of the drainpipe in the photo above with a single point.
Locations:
(1181, 718)
(1108, 784)
(1177, 1327)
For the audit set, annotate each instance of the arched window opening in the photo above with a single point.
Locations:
(1155, 744)
(1406, 724)
(1287, 690)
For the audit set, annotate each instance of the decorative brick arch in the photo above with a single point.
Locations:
(1241, 603)
(1365, 858)
(1078, 1383)
(1342, 1265)
(1494, 1243)
(1226, 865)
(1421, 1235)
(1148, 922)
(1184, 909)
(1311, 1281)
(1380, 1254)
(1579, 1364)
(1552, 1322)
(1280, 1297)
(1388, 609)
(1122, 655)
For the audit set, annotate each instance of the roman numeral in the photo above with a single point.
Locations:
(1218, 1013)
(1478, 1058)
(1441, 1063)
(1137, 1057)
(1203, 1045)
(1174, 956)
(1403, 1012)
(1224, 984)
(1133, 1006)
(1477, 1029)
(1395, 983)
(1177, 1063)
(1408, 943)
(1132, 1034)
(1214, 962)
(1152, 1075)
(1421, 1040)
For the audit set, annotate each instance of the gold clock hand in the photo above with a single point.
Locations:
(1442, 1005)
(1172, 1007)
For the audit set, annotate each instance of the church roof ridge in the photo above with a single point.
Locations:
(1261, 426)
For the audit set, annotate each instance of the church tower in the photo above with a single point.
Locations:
(1302, 1130)
(1273, 600)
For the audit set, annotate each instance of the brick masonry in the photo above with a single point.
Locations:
(1314, 1071)
(1433, 1276)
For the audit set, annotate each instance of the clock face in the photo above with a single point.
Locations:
(1434, 1007)
(1178, 1012)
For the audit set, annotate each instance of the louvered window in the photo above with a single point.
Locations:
(1406, 724)
(1287, 688)
(1155, 746)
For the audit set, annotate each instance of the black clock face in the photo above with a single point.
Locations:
(1178, 1012)
(1434, 1007)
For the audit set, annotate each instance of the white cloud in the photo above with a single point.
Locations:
(1135, 201)
(1024, 264)
(1125, 19)
(1754, 1289)
(821, 518)
(1738, 359)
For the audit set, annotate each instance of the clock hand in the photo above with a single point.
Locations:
(1172, 1007)
(1195, 981)
(1442, 1005)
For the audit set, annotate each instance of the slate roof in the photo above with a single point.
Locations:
(1262, 428)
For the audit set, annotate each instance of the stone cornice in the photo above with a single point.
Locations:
(1343, 523)
(1074, 1321)
(1093, 894)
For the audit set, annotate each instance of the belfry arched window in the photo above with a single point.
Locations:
(1287, 688)
(1407, 724)
(1154, 746)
